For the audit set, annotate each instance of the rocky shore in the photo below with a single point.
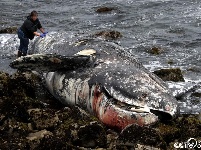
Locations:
(30, 118)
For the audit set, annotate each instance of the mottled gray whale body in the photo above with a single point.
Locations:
(109, 83)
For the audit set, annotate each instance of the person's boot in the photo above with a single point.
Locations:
(19, 54)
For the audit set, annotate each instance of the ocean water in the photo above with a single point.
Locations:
(172, 25)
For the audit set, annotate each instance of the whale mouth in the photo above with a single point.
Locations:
(129, 107)
(162, 115)
(126, 106)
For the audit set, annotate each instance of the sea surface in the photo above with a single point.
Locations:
(174, 26)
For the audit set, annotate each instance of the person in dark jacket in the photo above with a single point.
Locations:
(27, 31)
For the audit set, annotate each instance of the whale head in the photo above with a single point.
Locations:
(131, 95)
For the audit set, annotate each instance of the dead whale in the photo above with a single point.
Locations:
(107, 83)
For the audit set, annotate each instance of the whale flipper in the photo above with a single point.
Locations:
(51, 62)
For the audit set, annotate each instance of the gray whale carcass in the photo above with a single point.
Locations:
(109, 84)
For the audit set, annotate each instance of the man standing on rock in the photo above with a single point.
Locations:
(27, 31)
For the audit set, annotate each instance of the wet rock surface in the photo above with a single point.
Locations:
(105, 9)
(171, 74)
(109, 35)
(30, 118)
(10, 30)
(155, 50)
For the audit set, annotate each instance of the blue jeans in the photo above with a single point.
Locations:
(24, 42)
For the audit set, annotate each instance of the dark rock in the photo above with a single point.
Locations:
(109, 34)
(134, 134)
(111, 139)
(91, 135)
(190, 126)
(180, 129)
(194, 69)
(9, 141)
(54, 143)
(17, 96)
(155, 50)
(173, 74)
(170, 62)
(4, 80)
(12, 126)
(104, 9)
(79, 128)
(44, 118)
(10, 30)
(168, 132)
(196, 94)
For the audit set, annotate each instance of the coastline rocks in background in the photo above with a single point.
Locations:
(109, 34)
(172, 74)
(155, 50)
(104, 9)
(10, 30)
(194, 69)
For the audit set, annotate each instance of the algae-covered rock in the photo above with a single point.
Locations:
(196, 94)
(168, 132)
(10, 30)
(194, 69)
(109, 34)
(9, 141)
(79, 128)
(190, 126)
(14, 127)
(134, 134)
(104, 9)
(172, 74)
(91, 135)
(4, 80)
(53, 142)
(155, 50)
(43, 118)
(180, 129)
(17, 95)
